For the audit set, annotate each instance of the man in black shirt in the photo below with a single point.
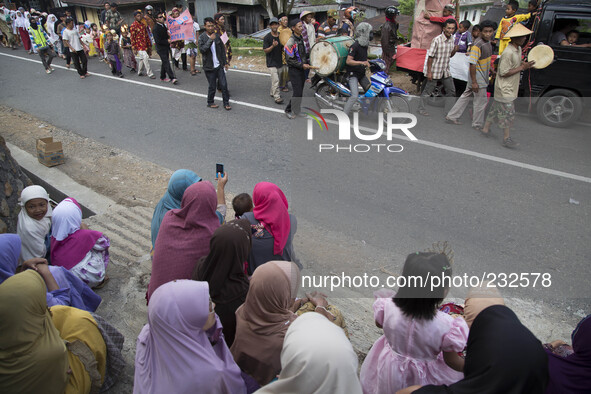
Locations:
(274, 53)
(356, 64)
(162, 41)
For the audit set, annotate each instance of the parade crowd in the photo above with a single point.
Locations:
(225, 310)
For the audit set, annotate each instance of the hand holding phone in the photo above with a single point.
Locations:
(219, 169)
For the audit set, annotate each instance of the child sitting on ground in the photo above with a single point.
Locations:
(112, 50)
(241, 204)
(34, 223)
(420, 344)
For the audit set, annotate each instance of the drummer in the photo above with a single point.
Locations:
(330, 27)
(357, 63)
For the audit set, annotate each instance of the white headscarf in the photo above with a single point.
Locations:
(67, 219)
(33, 231)
(317, 358)
(50, 28)
(21, 21)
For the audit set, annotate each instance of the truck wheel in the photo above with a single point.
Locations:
(559, 108)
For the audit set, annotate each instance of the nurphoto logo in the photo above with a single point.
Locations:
(392, 123)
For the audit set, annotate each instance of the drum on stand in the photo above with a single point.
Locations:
(330, 55)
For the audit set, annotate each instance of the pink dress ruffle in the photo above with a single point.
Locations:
(410, 351)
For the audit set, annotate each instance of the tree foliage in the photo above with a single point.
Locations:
(275, 7)
(407, 7)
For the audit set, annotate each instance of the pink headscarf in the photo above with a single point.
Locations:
(270, 208)
(70, 244)
(173, 351)
(184, 236)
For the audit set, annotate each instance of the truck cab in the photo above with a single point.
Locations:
(562, 90)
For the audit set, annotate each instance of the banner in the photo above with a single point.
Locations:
(181, 28)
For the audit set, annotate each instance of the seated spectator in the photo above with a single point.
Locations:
(572, 37)
(184, 236)
(488, 368)
(178, 183)
(76, 248)
(480, 298)
(564, 26)
(182, 347)
(316, 358)
(241, 204)
(63, 287)
(273, 228)
(265, 316)
(34, 222)
(61, 350)
(462, 37)
(570, 370)
(223, 270)
(420, 344)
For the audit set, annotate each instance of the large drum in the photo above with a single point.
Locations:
(330, 55)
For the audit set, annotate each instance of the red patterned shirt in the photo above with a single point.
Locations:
(140, 39)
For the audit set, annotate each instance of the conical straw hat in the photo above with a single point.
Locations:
(543, 55)
(518, 30)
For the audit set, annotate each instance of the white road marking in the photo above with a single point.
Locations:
(466, 152)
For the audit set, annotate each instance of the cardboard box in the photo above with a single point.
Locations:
(50, 153)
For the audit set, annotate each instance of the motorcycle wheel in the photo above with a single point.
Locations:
(324, 91)
(394, 104)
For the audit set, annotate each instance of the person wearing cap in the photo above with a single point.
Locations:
(149, 18)
(141, 44)
(507, 84)
(113, 18)
(41, 43)
(273, 52)
(284, 72)
(330, 27)
(103, 17)
(448, 13)
(297, 61)
(436, 67)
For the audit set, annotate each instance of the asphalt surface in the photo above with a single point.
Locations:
(504, 211)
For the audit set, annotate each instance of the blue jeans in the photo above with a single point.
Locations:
(216, 77)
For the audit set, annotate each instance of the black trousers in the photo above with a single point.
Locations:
(80, 62)
(298, 79)
(68, 55)
(47, 54)
(165, 66)
(215, 77)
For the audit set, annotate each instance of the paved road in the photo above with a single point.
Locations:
(501, 210)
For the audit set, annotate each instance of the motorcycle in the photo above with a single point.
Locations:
(382, 96)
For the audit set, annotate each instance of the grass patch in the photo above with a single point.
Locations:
(247, 52)
(245, 42)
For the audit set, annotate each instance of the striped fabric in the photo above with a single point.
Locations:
(480, 55)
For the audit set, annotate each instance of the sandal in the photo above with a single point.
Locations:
(102, 284)
(227, 107)
(193, 72)
(478, 128)
(279, 101)
(213, 105)
(452, 121)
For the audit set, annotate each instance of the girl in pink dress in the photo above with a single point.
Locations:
(420, 343)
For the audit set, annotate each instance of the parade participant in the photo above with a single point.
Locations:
(162, 41)
(463, 38)
(141, 44)
(34, 222)
(95, 35)
(184, 236)
(113, 18)
(273, 52)
(223, 269)
(112, 51)
(21, 26)
(54, 39)
(479, 59)
(389, 36)
(40, 42)
(128, 56)
(356, 64)
(220, 29)
(76, 248)
(508, 21)
(213, 51)
(72, 40)
(5, 27)
(178, 45)
(348, 23)
(191, 48)
(297, 61)
(507, 84)
(149, 19)
(284, 34)
(59, 31)
(330, 27)
(411, 316)
(448, 13)
(103, 16)
(182, 347)
(308, 32)
(437, 66)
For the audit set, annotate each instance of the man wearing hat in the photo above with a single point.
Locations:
(507, 84)
(273, 51)
(330, 27)
(284, 34)
(448, 13)
(308, 33)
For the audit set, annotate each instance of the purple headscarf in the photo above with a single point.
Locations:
(10, 250)
(173, 350)
(572, 374)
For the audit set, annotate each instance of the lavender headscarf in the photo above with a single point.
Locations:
(174, 351)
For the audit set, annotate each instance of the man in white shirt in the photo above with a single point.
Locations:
(71, 39)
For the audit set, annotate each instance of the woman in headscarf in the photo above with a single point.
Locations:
(572, 374)
(34, 222)
(21, 26)
(273, 227)
(83, 252)
(223, 270)
(182, 347)
(184, 236)
(63, 287)
(488, 368)
(54, 39)
(316, 358)
(46, 351)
